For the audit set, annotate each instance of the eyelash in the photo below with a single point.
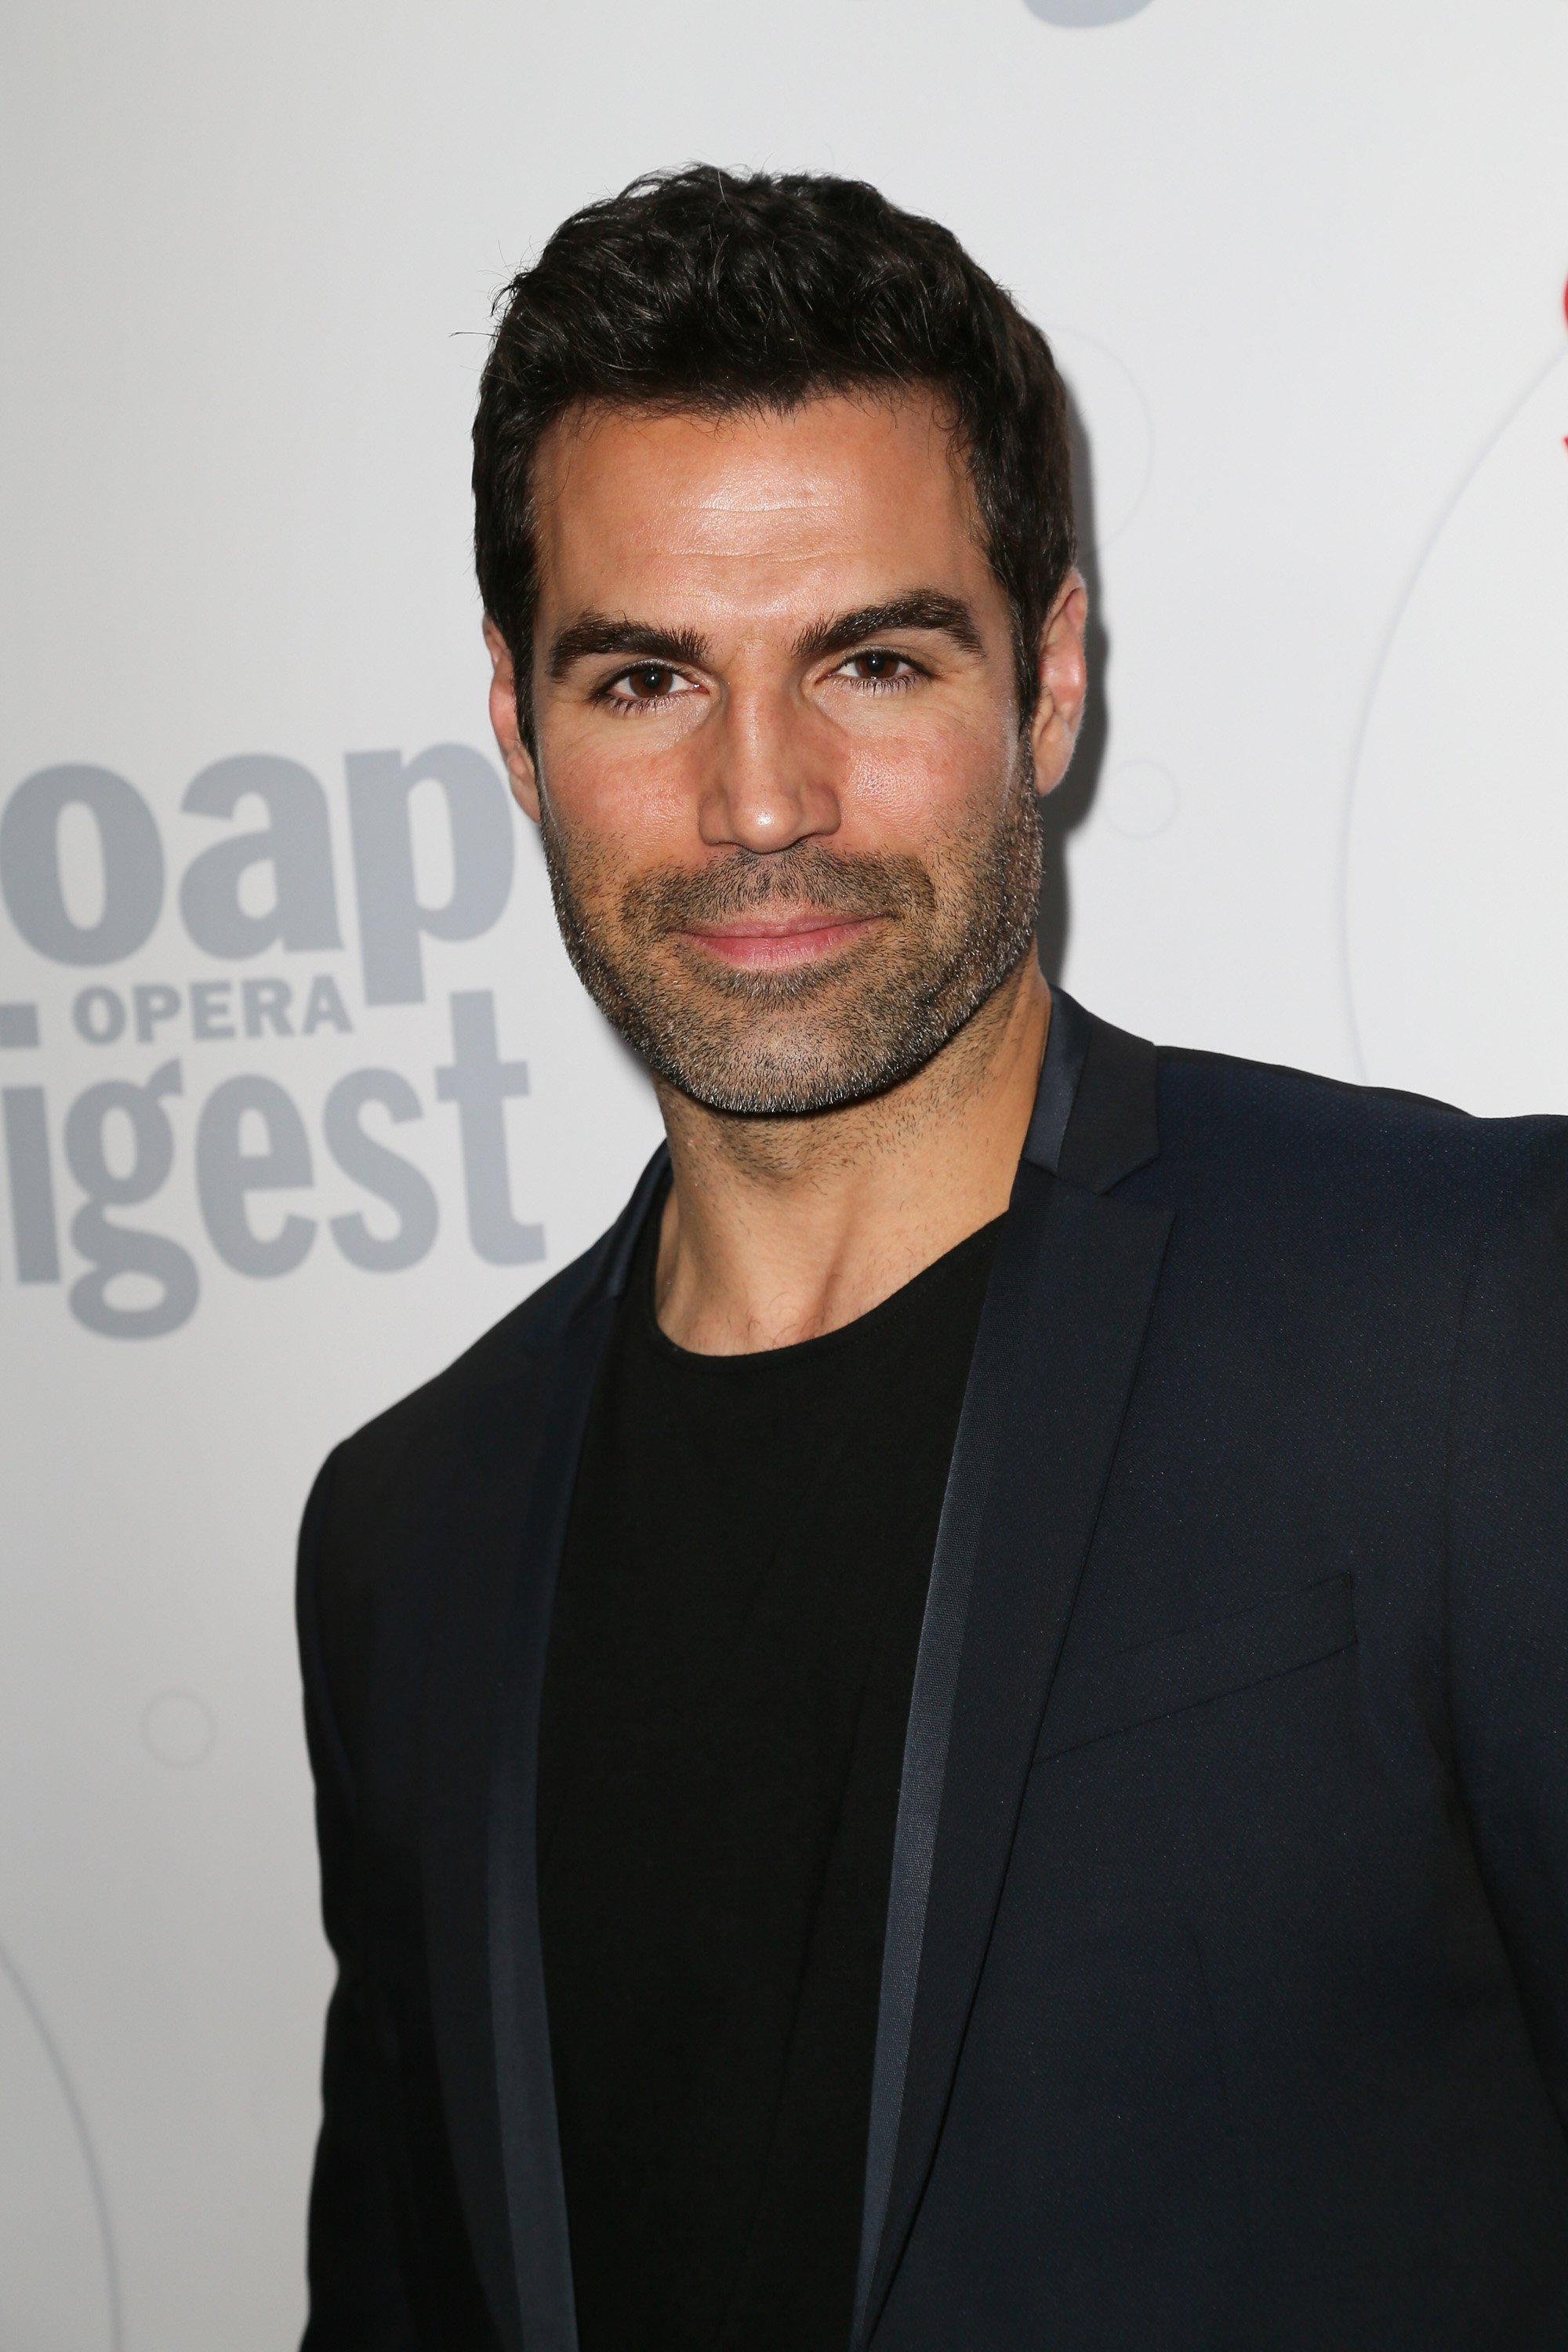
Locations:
(626, 704)
(622, 705)
(911, 671)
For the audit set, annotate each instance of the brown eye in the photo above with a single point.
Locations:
(650, 682)
(877, 666)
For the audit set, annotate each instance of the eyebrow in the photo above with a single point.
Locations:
(919, 608)
(609, 632)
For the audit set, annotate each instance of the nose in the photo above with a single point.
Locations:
(772, 783)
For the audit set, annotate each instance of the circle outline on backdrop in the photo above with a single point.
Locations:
(176, 1753)
(1408, 594)
(1062, 331)
(78, 2114)
(1158, 812)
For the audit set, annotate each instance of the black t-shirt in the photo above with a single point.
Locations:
(726, 1692)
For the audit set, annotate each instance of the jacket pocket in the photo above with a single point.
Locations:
(1192, 1669)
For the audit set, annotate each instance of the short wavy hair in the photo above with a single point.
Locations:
(717, 291)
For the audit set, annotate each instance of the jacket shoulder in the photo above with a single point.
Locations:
(509, 1353)
(388, 1498)
(1264, 1122)
(370, 1476)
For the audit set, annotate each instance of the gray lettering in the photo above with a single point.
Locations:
(297, 845)
(32, 1186)
(390, 914)
(212, 1015)
(153, 1001)
(227, 1172)
(30, 865)
(19, 1025)
(1085, 12)
(267, 1004)
(381, 1172)
(324, 1005)
(480, 1084)
(99, 1014)
(112, 1250)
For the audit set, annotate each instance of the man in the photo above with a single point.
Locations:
(956, 1738)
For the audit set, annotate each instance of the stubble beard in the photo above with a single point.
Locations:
(771, 1043)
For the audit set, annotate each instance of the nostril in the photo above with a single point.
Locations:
(766, 814)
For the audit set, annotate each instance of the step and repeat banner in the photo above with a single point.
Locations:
(297, 1091)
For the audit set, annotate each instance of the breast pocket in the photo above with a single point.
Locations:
(1198, 1667)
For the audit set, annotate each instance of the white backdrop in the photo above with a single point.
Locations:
(1305, 266)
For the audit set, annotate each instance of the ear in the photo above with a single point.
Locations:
(508, 728)
(1064, 684)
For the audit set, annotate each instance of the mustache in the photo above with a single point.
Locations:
(748, 881)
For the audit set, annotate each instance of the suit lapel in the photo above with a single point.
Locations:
(506, 1525)
(1058, 1347)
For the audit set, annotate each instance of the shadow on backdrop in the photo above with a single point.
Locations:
(1069, 805)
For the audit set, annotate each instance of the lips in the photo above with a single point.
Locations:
(771, 943)
(787, 915)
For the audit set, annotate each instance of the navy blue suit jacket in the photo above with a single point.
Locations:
(1225, 1995)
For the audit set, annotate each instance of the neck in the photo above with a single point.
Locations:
(778, 1230)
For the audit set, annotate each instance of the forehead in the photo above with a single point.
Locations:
(820, 506)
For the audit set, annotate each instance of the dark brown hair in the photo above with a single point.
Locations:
(714, 290)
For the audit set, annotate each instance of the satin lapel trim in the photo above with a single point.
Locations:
(1066, 1050)
(1058, 1344)
(936, 1664)
(530, 2150)
(924, 1769)
(525, 2085)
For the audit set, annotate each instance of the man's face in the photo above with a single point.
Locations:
(787, 806)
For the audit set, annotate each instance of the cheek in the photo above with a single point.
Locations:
(929, 780)
(628, 805)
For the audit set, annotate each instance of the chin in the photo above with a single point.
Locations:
(799, 1080)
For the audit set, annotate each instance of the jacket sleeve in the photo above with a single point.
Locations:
(357, 2298)
(1508, 1588)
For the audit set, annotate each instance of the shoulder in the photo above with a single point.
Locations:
(391, 1504)
(510, 1354)
(1263, 1131)
(378, 1486)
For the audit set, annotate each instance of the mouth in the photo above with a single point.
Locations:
(778, 943)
